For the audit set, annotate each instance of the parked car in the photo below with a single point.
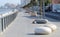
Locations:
(48, 8)
(57, 10)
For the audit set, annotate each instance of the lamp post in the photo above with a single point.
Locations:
(41, 12)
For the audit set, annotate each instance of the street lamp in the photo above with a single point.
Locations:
(41, 13)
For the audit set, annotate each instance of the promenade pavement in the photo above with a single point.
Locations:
(22, 27)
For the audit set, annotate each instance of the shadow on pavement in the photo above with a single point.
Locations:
(31, 17)
(49, 19)
(35, 34)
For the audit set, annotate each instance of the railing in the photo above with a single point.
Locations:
(6, 19)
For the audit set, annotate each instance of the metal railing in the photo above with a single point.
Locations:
(6, 19)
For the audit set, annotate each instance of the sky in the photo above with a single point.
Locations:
(2, 2)
(21, 2)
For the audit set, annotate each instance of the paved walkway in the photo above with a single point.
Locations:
(22, 27)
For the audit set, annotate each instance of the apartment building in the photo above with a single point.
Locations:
(56, 1)
(56, 5)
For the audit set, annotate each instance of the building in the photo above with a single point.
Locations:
(56, 5)
(56, 1)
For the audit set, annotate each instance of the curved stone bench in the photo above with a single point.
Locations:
(43, 30)
(52, 26)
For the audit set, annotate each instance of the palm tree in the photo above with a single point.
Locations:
(32, 3)
(47, 2)
(41, 4)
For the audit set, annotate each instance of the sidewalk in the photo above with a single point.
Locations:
(22, 27)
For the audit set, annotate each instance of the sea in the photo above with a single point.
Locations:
(4, 10)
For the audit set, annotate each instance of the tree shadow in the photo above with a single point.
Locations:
(49, 19)
(31, 17)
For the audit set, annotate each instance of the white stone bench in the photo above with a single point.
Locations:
(43, 30)
(52, 26)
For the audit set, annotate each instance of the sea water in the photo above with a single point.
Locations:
(3, 11)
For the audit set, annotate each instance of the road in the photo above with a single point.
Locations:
(54, 15)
